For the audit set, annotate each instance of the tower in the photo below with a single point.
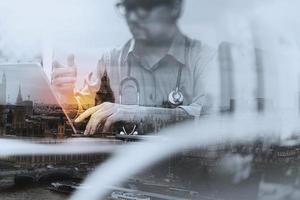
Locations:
(227, 79)
(19, 97)
(3, 90)
(105, 93)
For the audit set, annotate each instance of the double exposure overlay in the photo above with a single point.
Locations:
(149, 100)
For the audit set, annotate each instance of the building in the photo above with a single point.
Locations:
(19, 99)
(3, 90)
(2, 120)
(28, 120)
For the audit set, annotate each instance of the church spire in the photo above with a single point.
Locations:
(19, 97)
(105, 93)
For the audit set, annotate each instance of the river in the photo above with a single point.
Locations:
(31, 194)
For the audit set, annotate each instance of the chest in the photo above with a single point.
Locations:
(151, 87)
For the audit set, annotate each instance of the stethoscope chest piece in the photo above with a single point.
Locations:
(176, 97)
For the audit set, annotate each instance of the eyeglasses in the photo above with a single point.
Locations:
(141, 11)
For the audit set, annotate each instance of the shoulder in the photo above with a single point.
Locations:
(117, 54)
(113, 58)
(201, 54)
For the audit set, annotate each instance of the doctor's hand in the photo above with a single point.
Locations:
(64, 77)
(109, 113)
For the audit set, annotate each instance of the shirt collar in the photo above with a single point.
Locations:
(178, 48)
(176, 51)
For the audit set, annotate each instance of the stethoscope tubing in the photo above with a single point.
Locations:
(174, 101)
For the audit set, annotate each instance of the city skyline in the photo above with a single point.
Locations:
(30, 81)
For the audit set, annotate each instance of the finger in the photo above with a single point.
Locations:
(107, 105)
(56, 64)
(62, 81)
(99, 117)
(87, 113)
(102, 114)
(62, 72)
(88, 127)
(71, 60)
(94, 109)
(95, 124)
(110, 121)
(67, 90)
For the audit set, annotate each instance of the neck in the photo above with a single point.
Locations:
(158, 46)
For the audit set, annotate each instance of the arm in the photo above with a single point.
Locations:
(74, 101)
(205, 85)
(109, 113)
(204, 92)
(63, 80)
(85, 97)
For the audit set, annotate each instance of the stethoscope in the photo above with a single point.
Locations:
(175, 97)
